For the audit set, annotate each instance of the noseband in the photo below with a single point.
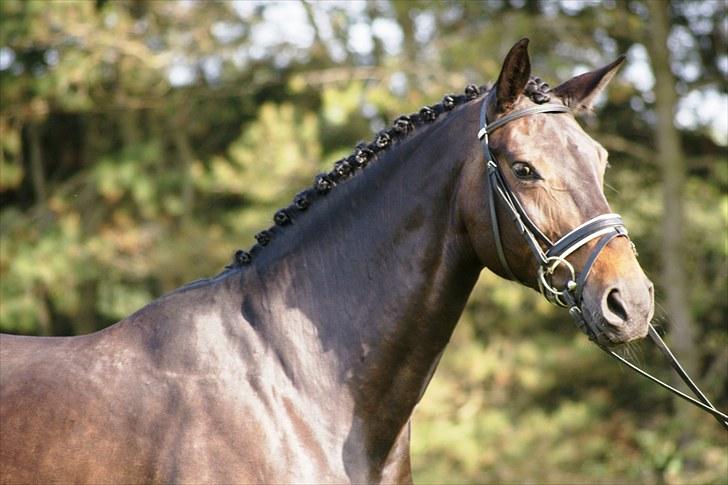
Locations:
(603, 228)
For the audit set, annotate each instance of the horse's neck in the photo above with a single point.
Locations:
(381, 269)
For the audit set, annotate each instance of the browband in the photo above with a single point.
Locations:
(488, 128)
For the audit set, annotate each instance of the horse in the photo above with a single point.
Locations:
(302, 361)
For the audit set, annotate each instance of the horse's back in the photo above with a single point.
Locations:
(160, 397)
(67, 411)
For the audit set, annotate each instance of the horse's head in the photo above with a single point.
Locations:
(555, 171)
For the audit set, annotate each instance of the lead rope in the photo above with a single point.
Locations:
(703, 402)
(607, 227)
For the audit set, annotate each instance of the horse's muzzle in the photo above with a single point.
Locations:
(621, 311)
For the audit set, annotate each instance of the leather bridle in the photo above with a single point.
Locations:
(603, 228)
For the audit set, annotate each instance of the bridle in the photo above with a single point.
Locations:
(602, 228)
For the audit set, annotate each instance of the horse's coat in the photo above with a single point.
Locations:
(304, 364)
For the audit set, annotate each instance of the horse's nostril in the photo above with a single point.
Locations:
(616, 305)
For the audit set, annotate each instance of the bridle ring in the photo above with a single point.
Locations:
(548, 268)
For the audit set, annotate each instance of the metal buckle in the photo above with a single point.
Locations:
(578, 316)
(546, 270)
(483, 133)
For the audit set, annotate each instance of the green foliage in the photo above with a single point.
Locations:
(120, 181)
(278, 151)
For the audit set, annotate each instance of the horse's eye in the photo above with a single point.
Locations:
(524, 170)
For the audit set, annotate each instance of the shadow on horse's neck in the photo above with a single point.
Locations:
(381, 268)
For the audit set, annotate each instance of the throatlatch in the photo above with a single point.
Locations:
(604, 228)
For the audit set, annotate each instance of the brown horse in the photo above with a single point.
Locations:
(303, 360)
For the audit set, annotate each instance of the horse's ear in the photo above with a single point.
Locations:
(579, 92)
(513, 76)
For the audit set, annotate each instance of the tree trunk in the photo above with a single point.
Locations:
(129, 127)
(670, 155)
(402, 12)
(37, 173)
(186, 159)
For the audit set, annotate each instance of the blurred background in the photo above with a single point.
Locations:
(142, 142)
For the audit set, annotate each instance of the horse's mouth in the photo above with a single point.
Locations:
(607, 335)
(617, 339)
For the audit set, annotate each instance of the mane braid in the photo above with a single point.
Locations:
(364, 153)
(537, 90)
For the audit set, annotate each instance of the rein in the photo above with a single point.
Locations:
(603, 228)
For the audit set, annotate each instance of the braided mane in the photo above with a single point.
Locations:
(364, 153)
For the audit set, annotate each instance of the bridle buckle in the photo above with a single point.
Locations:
(546, 270)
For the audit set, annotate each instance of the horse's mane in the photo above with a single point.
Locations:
(365, 153)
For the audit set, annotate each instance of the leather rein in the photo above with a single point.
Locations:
(603, 228)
